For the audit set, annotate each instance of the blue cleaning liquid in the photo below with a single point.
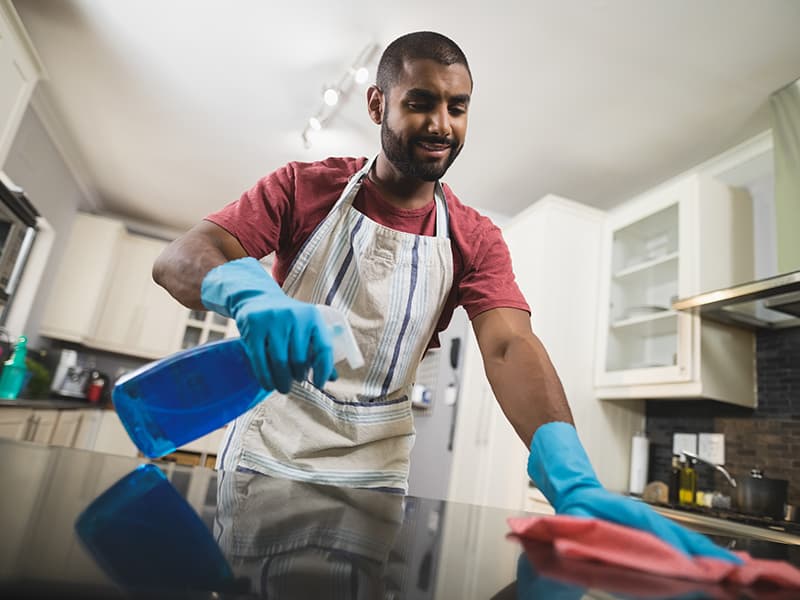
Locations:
(175, 400)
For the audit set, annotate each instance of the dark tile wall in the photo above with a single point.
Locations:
(767, 437)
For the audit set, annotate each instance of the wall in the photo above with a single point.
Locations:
(35, 165)
(767, 437)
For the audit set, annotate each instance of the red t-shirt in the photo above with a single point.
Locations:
(279, 213)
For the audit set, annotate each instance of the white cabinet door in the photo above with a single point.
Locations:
(137, 317)
(19, 72)
(88, 428)
(15, 423)
(66, 429)
(82, 278)
(104, 295)
(43, 426)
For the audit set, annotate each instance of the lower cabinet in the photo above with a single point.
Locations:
(28, 425)
(95, 429)
(15, 423)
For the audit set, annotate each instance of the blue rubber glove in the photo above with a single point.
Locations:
(560, 468)
(283, 337)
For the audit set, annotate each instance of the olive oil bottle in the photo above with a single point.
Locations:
(688, 482)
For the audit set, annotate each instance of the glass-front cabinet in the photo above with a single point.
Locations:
(691, 235)
(206, 326)
(642, 329)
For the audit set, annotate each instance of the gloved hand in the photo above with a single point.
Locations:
(560, 468)
(283, 337)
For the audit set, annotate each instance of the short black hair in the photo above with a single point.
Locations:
(417, 45)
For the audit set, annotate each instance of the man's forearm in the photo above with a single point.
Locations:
(527, 386)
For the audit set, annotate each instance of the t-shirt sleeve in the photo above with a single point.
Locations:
(259, 216)
(489, 281)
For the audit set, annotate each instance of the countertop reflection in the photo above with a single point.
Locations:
(83, 524)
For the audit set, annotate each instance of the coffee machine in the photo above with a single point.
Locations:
(70, 379)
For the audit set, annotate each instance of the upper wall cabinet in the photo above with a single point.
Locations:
(104, 296)
(20, 69)
(687, 237)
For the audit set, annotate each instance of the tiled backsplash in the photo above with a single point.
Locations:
(767, 437)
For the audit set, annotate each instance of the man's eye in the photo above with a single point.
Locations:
(418, 106)
(457, 110)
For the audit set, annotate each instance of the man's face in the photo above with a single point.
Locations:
(425, 118)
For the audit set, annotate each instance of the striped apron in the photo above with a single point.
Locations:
(359, 430)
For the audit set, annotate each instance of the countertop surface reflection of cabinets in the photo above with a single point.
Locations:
(689, 236)
(104, 296)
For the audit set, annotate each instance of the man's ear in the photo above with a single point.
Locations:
(375, 105)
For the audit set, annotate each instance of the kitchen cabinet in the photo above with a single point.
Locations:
(66, 428)
(15, 423)
(43, 424)
(104, 296)
(20, 69)
(82, 279)
(29, 425)
(692, 235)
(137, 316)
(201, 327)
(555, 249)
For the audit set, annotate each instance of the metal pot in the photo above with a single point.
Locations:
(759, 495)
(791, 513)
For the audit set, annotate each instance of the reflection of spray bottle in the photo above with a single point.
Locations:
(688, 481)
(141, 524)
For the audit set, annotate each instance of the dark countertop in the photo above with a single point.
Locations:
(83, 524)
(50, 403)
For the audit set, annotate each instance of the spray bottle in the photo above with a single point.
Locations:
(170, 402)
(14, 371)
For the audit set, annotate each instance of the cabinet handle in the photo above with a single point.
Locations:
(33, 426)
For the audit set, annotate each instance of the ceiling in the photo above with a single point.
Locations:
(170, 109)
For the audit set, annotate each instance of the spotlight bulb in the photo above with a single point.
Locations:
(361, 75)
(331, 97)
(314, 123)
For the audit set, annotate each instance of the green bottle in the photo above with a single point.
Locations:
(14, 371)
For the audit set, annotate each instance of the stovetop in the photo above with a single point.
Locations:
(738, 517)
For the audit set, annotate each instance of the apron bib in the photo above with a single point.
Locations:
(359, 430)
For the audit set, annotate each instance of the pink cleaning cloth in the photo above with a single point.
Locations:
(613, 544)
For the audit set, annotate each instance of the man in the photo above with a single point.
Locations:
(384, 242)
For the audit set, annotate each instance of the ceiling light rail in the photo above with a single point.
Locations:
(335, 95)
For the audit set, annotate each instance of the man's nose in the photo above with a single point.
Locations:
(439, 121)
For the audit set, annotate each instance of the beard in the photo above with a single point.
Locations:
(402, 155)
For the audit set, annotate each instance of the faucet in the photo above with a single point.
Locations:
(719, 468)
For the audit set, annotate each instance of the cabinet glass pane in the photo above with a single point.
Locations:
(643, 329)
(213, 336)
(191, 337)
(218, 319)
(646, 240)
(197, 315)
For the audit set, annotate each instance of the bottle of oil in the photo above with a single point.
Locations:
(688, 482)
(675, 480)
